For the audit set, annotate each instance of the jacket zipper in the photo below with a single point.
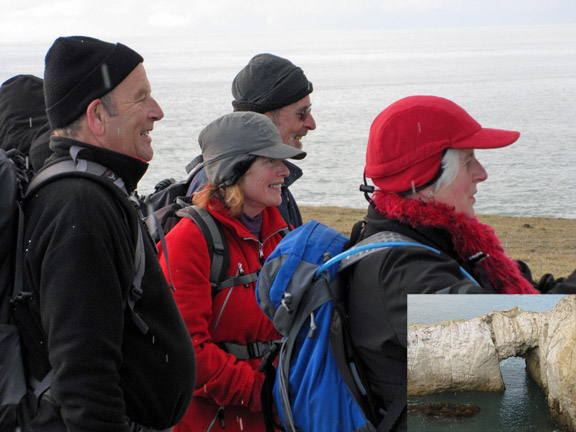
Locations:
(261, 244)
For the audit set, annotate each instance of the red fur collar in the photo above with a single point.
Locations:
(469, 237)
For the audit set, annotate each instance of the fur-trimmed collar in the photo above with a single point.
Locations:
(469, 236)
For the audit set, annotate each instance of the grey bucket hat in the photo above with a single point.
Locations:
(230, 144)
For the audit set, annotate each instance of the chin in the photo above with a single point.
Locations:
(146, 155)
(295, 143)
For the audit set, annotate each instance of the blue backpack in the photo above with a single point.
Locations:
(319, 384)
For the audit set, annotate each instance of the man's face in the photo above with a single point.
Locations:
(294, 121)
(136, 111)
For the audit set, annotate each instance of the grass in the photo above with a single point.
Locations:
(547, 245)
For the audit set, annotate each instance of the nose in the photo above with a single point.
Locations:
(479, 174)
(156, 112)
(310, 123)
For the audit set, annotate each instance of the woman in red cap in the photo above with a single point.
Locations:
(421, 159)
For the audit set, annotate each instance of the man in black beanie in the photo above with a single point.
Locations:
(274, 86)
(120, 357)
(277, 88)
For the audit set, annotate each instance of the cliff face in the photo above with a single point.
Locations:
(465, 354)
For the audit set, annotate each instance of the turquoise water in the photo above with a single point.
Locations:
(520, 78)
(521, 407)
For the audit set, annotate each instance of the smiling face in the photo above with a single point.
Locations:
(294, 121)
(127, 131)
(261, 185)
(460, 194)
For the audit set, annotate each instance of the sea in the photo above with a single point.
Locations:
(513, 77)
(521, 407)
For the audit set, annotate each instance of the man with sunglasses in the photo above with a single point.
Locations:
(277, 88)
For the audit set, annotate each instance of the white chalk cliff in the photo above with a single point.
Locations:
(465, 354)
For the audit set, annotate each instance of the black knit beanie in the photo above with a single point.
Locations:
(80, 69)
(267, 83)
(22, 111)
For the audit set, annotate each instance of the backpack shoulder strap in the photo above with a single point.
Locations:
(217, 249)
(105, 176)
(370, 245)
(215, 239)
(194, 165)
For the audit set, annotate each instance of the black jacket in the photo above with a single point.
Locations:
(377, 303)
(79, 267)
(381, 282)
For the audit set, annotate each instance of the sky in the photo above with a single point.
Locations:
(41, 20)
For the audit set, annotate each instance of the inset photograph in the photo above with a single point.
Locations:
(491, 362)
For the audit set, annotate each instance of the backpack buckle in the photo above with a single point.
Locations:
(20, 297)
(286, 301)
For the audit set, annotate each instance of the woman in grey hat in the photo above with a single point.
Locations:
(244, 159)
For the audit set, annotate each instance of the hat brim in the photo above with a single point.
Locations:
(279, 151)
(487, 138)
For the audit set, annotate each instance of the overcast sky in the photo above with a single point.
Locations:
(42, 20)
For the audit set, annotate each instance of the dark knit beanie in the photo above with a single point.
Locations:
(267, 83)
(22, 111)
(80, 69)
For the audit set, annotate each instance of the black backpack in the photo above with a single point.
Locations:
(15, 174)
(160, 207)
(18, 400)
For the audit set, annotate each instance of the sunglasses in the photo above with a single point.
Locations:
(302, 115)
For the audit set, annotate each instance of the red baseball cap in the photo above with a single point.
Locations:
(408, 138)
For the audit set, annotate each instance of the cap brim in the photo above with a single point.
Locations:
(487, 138)
(279, 151)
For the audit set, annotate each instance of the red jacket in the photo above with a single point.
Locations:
(222, 380)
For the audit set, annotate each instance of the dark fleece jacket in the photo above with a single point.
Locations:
(79, 267)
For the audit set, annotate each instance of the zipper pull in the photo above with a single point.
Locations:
(240, 270)
(221, 417)
(261, 253)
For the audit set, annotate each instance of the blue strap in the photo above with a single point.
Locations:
(382, 245)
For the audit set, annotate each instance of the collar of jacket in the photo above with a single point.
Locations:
(295, 173)
(272, 220)
(436, 236)
(130, 169)
(469, 237)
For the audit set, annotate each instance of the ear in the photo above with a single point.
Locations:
(426, 195)
(96, 116)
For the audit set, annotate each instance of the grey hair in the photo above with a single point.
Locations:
(71, 131)
(109, 104)
(450, 166)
